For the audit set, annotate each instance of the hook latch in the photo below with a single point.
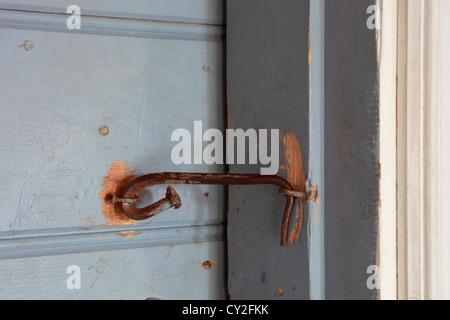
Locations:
(125, 197)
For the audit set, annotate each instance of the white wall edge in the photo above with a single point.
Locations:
(388, 147)
(419, 212)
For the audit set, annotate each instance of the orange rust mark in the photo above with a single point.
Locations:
(92, 222)
(294, 165)
(312, 194)
(207, 265)
(200, 219)
(309, 53)
(76, 197)
(309, 49)
(237, 207)
(104, 130)
(129, 234)
(245, 197)
(279, 293)
(296, 176)
(119, 174)
(206, 68)
(314, 197)
(206, 194)
(298, 226)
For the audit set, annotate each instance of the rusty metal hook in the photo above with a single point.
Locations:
(125, 198)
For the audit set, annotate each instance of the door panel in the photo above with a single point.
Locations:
(309, 68)
(268, 88)
(140, 79)
(139, 274)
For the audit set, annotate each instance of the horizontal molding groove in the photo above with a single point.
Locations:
(36, 243)
(112, 26)
(112, 14)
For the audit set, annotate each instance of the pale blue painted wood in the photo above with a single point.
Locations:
(142, 79)
(158, 272)
(114, 27)
(192, 11)
(316, 150)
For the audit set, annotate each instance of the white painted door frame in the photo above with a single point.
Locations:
(422, 157)
(388, 127)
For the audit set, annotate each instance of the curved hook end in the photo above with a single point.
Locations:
(173, 197)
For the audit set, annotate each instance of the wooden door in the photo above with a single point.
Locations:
(308, 68)
(81, 104)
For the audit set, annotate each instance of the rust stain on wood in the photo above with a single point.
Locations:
(104, 130)
(314, 197)
(279, 293)
(296, 176)
(129, 234)
(207, 265)
(118, 175)
(294, 165)
(310, 39)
